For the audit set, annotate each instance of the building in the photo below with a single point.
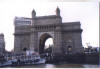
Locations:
(2, 44)
(31, 34)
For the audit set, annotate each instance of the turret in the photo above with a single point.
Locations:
(33, 14)
(57, 11)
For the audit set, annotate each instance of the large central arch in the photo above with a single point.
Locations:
(42, 40)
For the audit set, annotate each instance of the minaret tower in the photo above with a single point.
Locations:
(57, 11)
(33, 14)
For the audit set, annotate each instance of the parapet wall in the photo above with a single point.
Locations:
(22, 21)
(45, 20)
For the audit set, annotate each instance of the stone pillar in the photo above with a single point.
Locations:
(77, 42)
(33, 40)
(57, 41)
(17, 43)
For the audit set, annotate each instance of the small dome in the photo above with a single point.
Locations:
(33, 11)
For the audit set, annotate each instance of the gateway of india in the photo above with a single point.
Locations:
(31, 34)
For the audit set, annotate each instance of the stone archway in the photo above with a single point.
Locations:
(42, 40)
(32, 33)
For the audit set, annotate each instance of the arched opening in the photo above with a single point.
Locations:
(45, 44)
(48, 45)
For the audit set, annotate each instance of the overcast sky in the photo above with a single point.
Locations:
(85, 12)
